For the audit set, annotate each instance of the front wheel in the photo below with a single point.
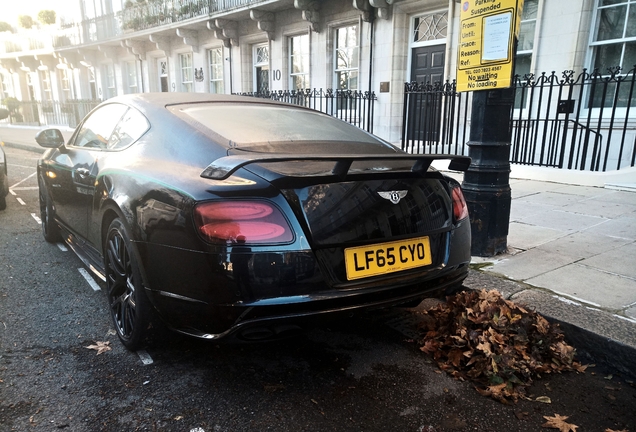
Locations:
(50, 230)
(129, 306)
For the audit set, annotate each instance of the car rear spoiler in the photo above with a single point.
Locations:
(224, 167)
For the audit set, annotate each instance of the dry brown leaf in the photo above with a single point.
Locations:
(558, 422)
(100, 347)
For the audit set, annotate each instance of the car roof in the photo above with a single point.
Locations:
(174, 98)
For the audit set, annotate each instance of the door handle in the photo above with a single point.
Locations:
(83, 172)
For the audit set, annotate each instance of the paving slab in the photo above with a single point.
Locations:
(589, 285)
(584, 244)
(550, 198)
(595, 207)
(586, 191)
(623, 227)
(619, 197)
(562, 220)
(524, 236)
(521, 188)
(529, 264)
(517, 212)
(620, 260)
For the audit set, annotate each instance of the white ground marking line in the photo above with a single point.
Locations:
(12, 193)
(89, 279)
(23, 180)
(37, 219)
(20, 201)
(61, 247)
(145, 357)
(27, 188)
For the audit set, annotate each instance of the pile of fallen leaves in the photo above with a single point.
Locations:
(496, 344)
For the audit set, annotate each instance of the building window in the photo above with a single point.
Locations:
(614, 35)
(163, 75)
(346, 68)
(299, 62)
(45, 85)
(109, 83)
(5, 82)
(187, 83)
(65, 83)
(430, 27)
(525, 45)
(92, 83)
(215, 62)
(261, 68)
(614, 45)
(131, 77)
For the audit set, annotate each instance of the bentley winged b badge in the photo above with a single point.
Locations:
(393, 196)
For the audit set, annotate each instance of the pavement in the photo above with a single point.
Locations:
(571, 256)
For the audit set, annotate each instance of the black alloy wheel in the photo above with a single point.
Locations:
(50, 230)
(129, 306)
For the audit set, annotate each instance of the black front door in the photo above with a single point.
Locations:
(427, 67)
(427, 64)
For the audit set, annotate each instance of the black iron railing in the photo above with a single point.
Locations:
(435, 118)
(48, 113)
(352, 106)
(583, 122)
(587, 122)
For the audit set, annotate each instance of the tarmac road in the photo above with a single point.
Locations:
(360, 374)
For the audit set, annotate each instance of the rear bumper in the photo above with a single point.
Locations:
(260, 293)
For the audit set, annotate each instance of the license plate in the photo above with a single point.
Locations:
(384, 258)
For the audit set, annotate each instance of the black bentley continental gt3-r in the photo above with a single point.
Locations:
(235, 216)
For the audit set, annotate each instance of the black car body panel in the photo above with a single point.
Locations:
(209, 288)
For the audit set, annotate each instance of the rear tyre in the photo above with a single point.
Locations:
(130, 309)
(3, 203)
(50, 230)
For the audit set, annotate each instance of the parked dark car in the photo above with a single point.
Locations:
(4, 181)
(229, 215)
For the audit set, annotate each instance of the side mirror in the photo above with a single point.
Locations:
(50, 138)
(4, 113)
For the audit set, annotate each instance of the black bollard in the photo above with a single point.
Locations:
(487, 182)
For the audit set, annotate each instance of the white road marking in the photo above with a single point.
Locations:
(27, 188)
(61, 247)
(145, 357)
(89, 279)
(12, 193)
(20, 166)
(23, 180)
(20, 201)
(37, 219)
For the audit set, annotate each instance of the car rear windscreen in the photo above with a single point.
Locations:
(246, 124)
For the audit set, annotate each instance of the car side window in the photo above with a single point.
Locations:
(95, 132)
(131, 127)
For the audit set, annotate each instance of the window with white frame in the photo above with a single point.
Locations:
(108, 81)
(65, 83)
(430, 27)
(92, 83)
(185, 64)
(613, 44)
(215, 65)
(261, 68)
(525, 44)
(347, 60)
(299, 62)
(131, 77)
(5, 82)
(45, 85)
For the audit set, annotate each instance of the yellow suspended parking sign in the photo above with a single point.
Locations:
(487, 33)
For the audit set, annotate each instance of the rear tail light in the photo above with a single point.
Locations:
(242, 222)
(460, 209)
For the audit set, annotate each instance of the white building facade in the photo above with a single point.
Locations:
(237, 46)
